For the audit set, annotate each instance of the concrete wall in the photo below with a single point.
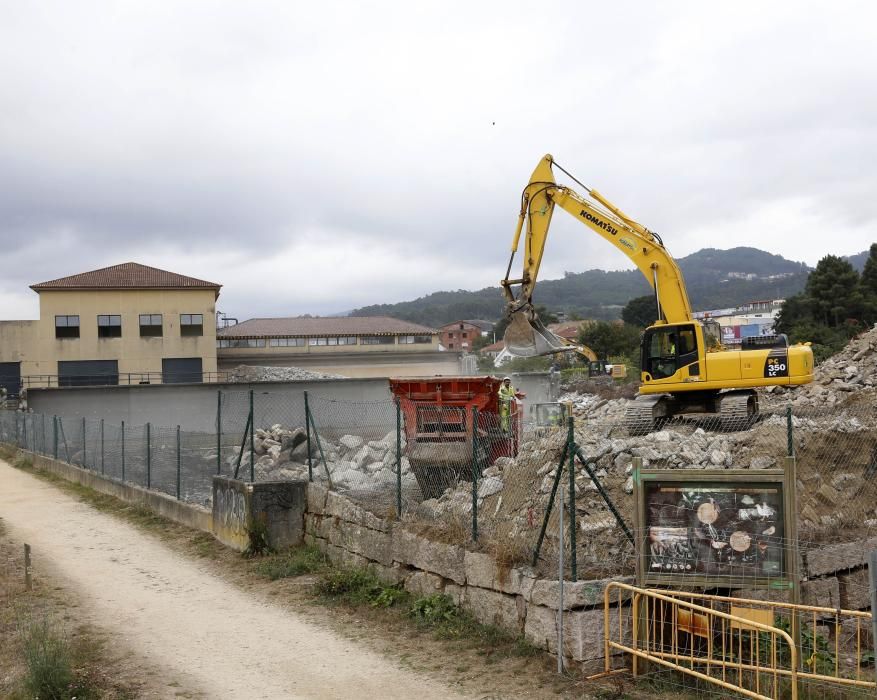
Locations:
(539, 388)
(17, 339)
(184, 513)
(193, 406)
(278, 505)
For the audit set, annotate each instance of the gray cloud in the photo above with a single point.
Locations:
(199, 137)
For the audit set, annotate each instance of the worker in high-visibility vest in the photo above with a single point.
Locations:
(506, 396)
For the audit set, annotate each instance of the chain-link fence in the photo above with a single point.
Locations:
(473, 477)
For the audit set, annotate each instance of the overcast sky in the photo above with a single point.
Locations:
(317, 157)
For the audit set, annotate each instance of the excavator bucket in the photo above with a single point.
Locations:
(526, 337)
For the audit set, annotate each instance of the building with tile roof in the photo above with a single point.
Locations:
(353, 346)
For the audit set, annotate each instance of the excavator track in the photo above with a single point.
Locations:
(738, 410)
(639, 417)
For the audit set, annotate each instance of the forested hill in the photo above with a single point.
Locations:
(714, 278)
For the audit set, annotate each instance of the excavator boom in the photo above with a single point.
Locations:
(526, 336)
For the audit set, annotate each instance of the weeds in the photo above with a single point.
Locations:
(440, 614)
(303, 560)
(49, 662)
(257, 534)
(359, 587)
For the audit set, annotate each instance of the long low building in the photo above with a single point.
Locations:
(352, 346)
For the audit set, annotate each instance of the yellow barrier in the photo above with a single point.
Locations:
(745, 646)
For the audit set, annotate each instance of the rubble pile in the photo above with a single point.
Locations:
(850, 374)
(251, 373)
(353, 463)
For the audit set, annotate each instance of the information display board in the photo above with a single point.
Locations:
(723, 528)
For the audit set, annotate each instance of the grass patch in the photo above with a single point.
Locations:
(296, 562)
(359, 587)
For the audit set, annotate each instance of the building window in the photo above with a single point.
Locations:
(451, 334)
(412, 339)
(465, 335)
(150, 325)
(109, 326)
(286, 342)
(377, 340)
(450, 346)
(240, 343)
(66, 326)
(341, 340)
(318, 341)
(191, 324)
(461, 326)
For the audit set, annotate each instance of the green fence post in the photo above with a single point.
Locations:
(572, 499)
(398, 458)
(178, 462)
(123, 450)
(24, 431)
(84, 458)
(148, 456)
(102, 468)
(43, 422)
(252, 440)
(219, 431)
(474, 473)
(308, 438)
(55, 437)
(790, 445)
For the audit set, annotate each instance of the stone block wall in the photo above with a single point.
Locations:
(836, 575)
(516, 601)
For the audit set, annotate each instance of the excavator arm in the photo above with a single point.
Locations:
(526, 335)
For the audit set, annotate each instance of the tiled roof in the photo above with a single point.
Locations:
(320, 326)
(498, 346)
(126, 276)
(569, 329)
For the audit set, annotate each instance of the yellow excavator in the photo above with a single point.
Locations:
(685, 369)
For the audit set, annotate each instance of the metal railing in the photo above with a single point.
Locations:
(52, 381)
(756, 648)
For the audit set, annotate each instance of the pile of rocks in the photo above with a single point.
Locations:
(251, 373)
(851, 371)
(352, 463)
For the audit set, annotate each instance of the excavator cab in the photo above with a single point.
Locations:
(666, 350)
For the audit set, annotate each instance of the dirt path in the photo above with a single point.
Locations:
(172, 612)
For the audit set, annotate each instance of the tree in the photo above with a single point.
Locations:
(869, 272)
(609, 339)
(795, 310)
(640, 311)
(834, 291)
